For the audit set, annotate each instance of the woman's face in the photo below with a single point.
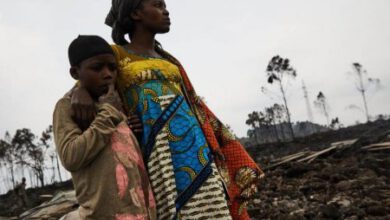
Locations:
(154, 16)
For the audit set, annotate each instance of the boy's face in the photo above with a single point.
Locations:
(96, 74)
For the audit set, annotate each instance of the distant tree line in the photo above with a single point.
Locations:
(25, 152)
(276, 120)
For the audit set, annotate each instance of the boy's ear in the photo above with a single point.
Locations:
(74, 73)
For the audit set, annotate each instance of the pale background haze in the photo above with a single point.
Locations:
(225, 46)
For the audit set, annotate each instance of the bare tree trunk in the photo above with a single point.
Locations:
(31, 179)
(362, 90)
(58, 169)
(12, 175)
(22, 166)
(326, 114)
(53, 174)
(287, 110)
(282, 131)
(6, 182)
(275, 131)
(41, 178)
(365, 106)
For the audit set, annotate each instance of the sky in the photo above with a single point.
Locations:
(224, 45)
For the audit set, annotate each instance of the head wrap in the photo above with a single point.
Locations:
(87, 46)
(119, 18)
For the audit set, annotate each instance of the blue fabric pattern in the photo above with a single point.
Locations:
(188, 146)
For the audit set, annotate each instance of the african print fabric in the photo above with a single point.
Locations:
(239, 171)
(182, 172)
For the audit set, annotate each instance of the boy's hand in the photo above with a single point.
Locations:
(83, 107)
(112, 97)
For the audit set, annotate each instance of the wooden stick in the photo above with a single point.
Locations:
(315, 155)
(287, 160)
(344, 143)
(288, 157)
(384, 144)
(379, 148)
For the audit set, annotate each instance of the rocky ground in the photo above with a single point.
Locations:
(350, 183)
(8, 202)
(346, 183)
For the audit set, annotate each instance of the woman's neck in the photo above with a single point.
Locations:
(143, 42)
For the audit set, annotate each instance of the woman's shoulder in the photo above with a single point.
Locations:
(119, 51)
(122, 54)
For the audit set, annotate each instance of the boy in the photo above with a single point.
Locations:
(104, 158)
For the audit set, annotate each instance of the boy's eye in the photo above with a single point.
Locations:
(97, 67)
(112, 67)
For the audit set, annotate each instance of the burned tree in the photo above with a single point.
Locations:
(280, 117)
(46, 137)
(322, 105)
(22, 141)
(335, 123)
(278, 70)
(270, 116)
(28, 153)
(8, 155)
(362, 82)
(254, 121)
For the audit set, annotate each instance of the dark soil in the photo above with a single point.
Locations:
(347, 184)
(8, 202)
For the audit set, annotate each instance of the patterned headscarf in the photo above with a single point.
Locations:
(119, 18)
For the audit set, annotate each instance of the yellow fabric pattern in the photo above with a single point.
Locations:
(135, 72)
(136, 69)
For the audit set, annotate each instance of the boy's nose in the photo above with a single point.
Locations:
(107, 73)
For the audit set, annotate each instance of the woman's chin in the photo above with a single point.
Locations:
(164, 30)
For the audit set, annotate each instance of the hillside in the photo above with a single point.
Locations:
(338, 174)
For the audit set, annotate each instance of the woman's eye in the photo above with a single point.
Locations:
(159, 4)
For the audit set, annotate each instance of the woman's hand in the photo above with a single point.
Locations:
(83, 106)
(135, 125)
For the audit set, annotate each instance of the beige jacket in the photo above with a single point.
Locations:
(105, 161)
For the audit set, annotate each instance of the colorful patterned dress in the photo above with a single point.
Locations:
(183, 175)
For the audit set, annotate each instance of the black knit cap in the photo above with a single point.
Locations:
(87, 46)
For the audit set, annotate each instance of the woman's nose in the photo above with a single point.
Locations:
(166, 12)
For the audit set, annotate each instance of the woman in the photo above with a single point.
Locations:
(196, 168)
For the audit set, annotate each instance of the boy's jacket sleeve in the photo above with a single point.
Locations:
(76, 148)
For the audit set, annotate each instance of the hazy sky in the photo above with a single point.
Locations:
(225, 46)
